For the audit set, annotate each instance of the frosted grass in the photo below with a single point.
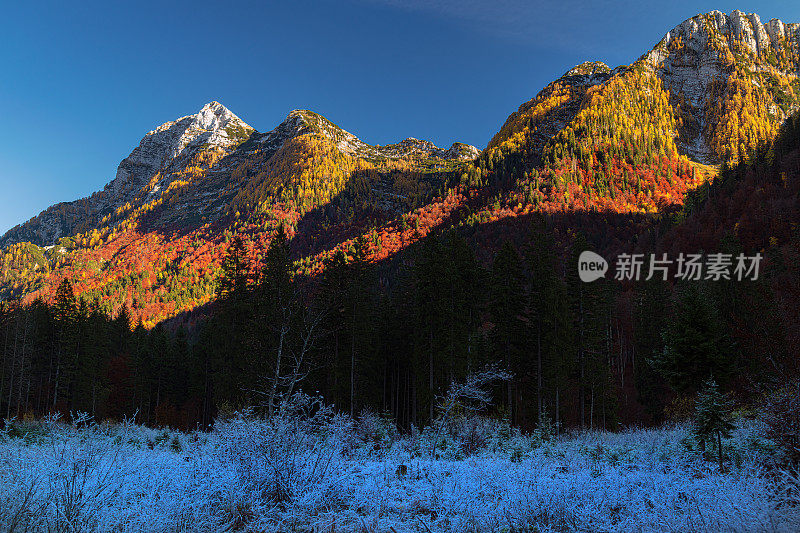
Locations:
(324, 474)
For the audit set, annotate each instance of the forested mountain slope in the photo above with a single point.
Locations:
(384, 272)
(152, 239)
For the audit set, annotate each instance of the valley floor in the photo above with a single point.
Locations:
(287, 475)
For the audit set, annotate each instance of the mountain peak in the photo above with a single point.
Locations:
(214, 116)
(715, 51)
(589, 68)
(718, 30)
(213, 127)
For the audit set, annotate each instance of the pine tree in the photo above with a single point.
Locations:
(275, 279)
(712, 417)
(235, 269)
(65, 311)
(333, 291)
(650, 313)
(590, 311)
(446, 285)
(228, 354)
(507, 310)
(696, 345)
(550, 327)
(356, 304)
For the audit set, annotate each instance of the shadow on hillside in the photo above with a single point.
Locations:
(202, 201)
(608, 233)
(366, 202)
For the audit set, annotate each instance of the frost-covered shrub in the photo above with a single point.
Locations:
(472, 433)
(291, 473)
(379, 431)
(284, 457)
(84, 475)
(409, 446)
(20, 508)
(467, 435)
(30, 431)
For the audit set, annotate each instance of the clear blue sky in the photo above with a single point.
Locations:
(82, 82)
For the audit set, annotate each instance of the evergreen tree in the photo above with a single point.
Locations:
(446, 285)
(356, 305)
(65, 312)
(275, 279)
(429, 319)
(712, 417)
(335, 286)
(651, 311)
(550, 327)
(696, 345)
(507, 310)
(590, 311)
(461, 291)
(235, 271)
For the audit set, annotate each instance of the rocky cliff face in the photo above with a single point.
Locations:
(700, 32)
(168, 146)
(731, 80)
(706, 51)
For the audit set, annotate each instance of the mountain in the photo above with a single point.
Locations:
(164, 151)
(614, 152)
(726, 83)
(734, 80)
(214, 133)
(206, 176)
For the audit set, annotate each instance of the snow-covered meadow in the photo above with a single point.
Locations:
(312, 471)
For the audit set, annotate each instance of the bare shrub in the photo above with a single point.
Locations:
(20, 509)
(85, 475)
(464, 397)
(285, 456)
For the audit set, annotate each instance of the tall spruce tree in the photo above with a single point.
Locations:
(228, 354)
(589, 309)
(696, 345)
(712, 418)
(507, 308)
(446, 285)
(550, 327)
(65, 313)
(651, 310)
(233, 282)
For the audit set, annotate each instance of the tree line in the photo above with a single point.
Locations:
(385, 337)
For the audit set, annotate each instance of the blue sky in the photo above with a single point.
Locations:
(82, 82)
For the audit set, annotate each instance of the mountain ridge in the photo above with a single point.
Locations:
(631, 141)
(171, 146)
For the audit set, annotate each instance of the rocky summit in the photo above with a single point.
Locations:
(706, 52)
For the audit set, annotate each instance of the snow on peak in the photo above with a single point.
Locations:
(215, 116)
(214, 126)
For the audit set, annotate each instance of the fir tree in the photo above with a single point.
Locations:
(650, 313)
(550, 327)
(233, 282)
(696, 345)
(590, 310)
(712, 417)
(507, 309)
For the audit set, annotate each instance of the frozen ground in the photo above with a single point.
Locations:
(326, 474)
